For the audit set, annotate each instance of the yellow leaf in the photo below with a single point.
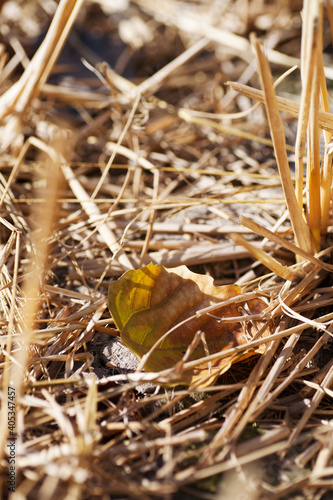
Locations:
(145, 304)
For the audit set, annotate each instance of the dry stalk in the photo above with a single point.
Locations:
(286, 105)
(16, 100)
(301, 230)
(312, 73)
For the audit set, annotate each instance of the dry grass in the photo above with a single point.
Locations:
(156, 159)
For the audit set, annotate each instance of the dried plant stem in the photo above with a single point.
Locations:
(293, 374)
(324, 97)
(151, 216)
(313, 26)
(301, 230)
(266, 233)
(307, 65)
(327, 163)
(286, 105)
(187, 115)
(94, 214)
(33, 284)
(114, 152)
(20, 95)
(9, 344)
(228, 430)
(326, 188)
(264, 258)
(318, 396)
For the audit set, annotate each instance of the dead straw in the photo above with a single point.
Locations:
(150, 157)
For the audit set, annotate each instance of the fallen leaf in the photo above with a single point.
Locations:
(146, 303)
